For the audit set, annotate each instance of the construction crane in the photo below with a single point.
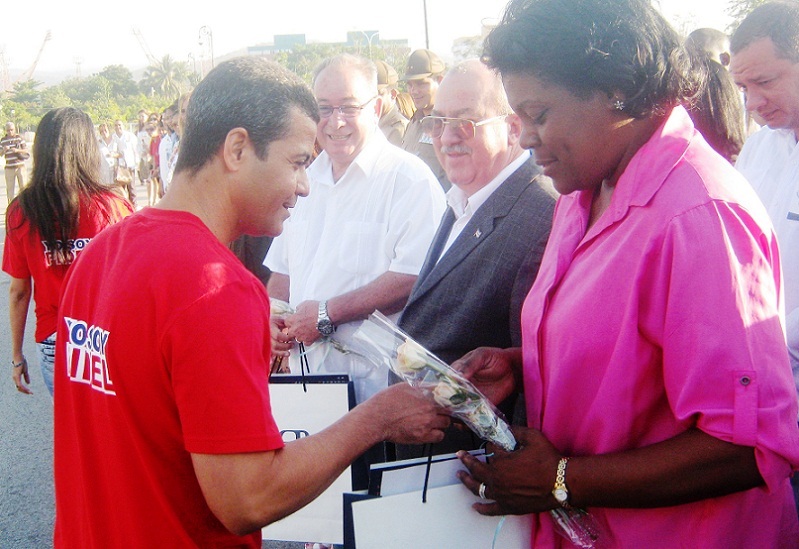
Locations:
(150, 57)
(25, 76)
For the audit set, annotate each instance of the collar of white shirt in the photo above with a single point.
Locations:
(466, 205)
(365, 161)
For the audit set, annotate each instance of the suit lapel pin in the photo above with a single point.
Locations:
(477, 233)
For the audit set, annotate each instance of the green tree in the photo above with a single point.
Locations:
(26, 92)
(53, 98)
(167, 78)
(19, 114)
(121, 80)
(304, 59)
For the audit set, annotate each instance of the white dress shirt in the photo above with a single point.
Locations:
(380, 216)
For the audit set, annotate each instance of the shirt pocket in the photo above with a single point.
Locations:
(362, 251)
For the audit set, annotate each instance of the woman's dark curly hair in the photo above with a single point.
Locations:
(589, 46)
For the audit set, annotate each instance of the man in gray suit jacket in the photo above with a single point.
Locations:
(487, 250)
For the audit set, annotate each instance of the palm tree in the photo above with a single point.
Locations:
(166, 77)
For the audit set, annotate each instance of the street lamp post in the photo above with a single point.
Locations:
(207, 37)
(369, 38)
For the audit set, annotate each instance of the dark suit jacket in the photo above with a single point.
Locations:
(473, 296)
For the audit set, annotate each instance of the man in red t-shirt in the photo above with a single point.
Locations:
(163, 431)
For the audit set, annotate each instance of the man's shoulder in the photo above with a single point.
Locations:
(527, 183)
(394, 118)
(175, 242)
(765, 151)
(765, 140)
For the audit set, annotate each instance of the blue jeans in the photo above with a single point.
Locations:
(46, 353)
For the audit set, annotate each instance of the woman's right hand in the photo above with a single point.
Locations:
(495, 372)
(518, 482)
(20, 373)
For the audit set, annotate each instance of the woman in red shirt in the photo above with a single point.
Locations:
(47, 226)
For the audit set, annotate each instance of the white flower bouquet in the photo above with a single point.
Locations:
(382, 342)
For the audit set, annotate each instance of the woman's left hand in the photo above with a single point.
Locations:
(518, 482)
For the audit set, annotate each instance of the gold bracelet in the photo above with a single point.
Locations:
(560, 491)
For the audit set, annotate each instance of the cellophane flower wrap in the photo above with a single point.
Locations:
(382, 342)
(279, 308)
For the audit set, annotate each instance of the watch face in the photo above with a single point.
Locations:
(560, 495)
(325, 327)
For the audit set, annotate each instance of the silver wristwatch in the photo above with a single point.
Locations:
(323, 322)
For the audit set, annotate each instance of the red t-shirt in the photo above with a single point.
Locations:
(154, 144)
(163, 350)
(27, 256)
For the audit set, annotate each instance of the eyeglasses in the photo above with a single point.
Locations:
(434, 125)
(347, 111)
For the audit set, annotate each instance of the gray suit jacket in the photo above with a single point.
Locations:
(473, 296)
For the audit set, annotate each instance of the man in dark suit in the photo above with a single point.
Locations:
(487, 250)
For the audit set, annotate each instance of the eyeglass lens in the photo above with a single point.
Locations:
(434, 126)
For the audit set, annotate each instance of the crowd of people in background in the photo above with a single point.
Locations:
(624, 293)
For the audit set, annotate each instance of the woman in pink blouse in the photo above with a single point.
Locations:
(658, 388)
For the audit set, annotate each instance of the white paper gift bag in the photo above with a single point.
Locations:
(303, 406)
(445, 520)
(421, 503)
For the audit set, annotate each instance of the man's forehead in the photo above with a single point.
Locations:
(462, 95)
(338, 83)
(753, 55)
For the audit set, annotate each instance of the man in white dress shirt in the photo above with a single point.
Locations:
(357, 242)
(765, 64)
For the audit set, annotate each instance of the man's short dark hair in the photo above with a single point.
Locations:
(778, 21)
(246, 92)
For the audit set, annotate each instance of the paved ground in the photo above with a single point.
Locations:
(26, 440)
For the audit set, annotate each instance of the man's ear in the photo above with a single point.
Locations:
(378, 106)
(514, 128)
(234, 148)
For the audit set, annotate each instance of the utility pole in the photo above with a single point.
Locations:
(426, 35)
(207, 39)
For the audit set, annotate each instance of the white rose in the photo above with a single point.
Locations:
(410, 358)
(443, 394)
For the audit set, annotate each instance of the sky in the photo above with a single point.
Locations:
(87, 35)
